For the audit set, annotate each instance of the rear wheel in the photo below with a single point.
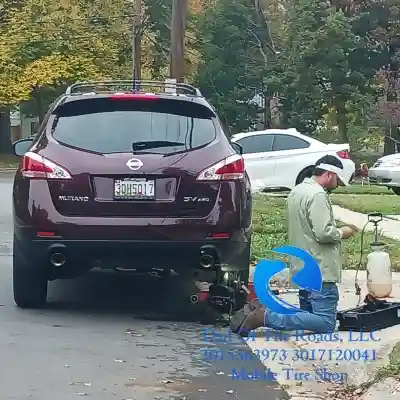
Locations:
(306, 173)
(396, 190)
(29, 281)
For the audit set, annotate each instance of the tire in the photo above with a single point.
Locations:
(396, 190)
(29, 281)
(306, 173)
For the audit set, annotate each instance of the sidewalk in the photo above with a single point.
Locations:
(388, 227)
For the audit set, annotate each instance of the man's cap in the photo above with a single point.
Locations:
(340, 172)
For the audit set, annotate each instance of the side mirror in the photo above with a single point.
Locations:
(21, 146)
(237, 147)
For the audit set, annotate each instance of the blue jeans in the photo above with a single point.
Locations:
(304, 300)
(322, 319)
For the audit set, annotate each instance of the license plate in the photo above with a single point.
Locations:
(134, 189)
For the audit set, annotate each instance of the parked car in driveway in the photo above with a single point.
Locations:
(131, 181)
(386, 172)
(282, 158)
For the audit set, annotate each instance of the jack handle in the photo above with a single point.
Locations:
(375, 217)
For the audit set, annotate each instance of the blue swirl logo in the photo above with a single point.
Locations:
(309, 278)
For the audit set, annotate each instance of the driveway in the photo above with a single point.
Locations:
(101, 337)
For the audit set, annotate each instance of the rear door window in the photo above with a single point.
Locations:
(105, 125)
(256, 144)
(288, 142)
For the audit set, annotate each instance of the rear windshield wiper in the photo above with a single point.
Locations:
(137, 146)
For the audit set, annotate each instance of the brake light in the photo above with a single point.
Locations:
(219, 235)
(35, 166)
(133, 96)
(231, 168)
(45, 234)
(345, 154)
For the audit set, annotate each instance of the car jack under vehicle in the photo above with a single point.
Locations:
(225, 296)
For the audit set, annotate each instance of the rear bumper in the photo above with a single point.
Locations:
(144, 255)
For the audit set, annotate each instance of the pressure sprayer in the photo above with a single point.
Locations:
(379, 271)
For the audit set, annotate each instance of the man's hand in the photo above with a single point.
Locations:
(348, 231)
(355, 229)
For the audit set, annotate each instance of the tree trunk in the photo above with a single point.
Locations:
(341, 120)
(388, 146)
(5, 131)
(267, 111)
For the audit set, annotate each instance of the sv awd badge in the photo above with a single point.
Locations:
(73, 198)
(196, 199)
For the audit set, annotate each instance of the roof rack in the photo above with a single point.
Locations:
(128, 85)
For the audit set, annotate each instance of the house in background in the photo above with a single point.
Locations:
(22, 125)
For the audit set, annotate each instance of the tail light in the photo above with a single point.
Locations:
(344, 154)
(231, 168)
(133, 96)
(35, 166)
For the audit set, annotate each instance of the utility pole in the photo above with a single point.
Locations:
(178, 29)
(137, 40)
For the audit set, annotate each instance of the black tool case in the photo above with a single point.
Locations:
(370, 317)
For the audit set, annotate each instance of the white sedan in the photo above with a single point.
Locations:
(386, 172)
(282, 158)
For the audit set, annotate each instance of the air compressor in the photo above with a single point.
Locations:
(375, 313)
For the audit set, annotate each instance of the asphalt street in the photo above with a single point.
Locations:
(101, 337)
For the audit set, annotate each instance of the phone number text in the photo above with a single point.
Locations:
(362, 355)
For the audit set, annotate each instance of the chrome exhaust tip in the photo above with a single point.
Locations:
(194, 299)
(206, 261)
(57, 260)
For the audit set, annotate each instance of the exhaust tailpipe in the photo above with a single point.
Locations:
(57, 259)
(206, 261)
(194, 299)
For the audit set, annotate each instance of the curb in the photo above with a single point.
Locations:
(4, 170)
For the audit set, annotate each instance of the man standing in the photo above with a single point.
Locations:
(312, 227)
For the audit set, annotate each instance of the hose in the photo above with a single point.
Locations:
(356, 284)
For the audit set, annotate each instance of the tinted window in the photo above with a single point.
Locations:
(256, 144)
(111, 126)
(288, 142)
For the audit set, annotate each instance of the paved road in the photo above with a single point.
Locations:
(93, 341)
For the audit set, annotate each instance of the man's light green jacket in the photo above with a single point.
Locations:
(312, 227)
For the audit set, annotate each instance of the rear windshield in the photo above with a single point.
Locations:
(112, 126)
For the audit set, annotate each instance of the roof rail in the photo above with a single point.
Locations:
(128, 85)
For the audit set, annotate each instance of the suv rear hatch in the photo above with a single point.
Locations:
(134, 155)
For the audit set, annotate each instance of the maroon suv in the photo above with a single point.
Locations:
(128, 180)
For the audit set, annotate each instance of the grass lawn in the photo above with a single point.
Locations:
(393, 369)
(363, 189)
(9, 161)
(367, 203)
(269, 231)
